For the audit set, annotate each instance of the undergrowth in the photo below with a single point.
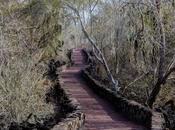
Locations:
(30, 35)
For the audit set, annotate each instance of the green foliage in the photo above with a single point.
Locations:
(45, 15)
(127, 34)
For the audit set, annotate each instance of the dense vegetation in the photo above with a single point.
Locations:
(133, 42)
(30, 35)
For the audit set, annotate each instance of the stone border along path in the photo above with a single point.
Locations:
(99, 114)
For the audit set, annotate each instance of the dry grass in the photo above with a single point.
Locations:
(21, 93)
(21, 59)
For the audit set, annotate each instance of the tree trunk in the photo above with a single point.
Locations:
(104, 62)
(161, 39)
(154, 93)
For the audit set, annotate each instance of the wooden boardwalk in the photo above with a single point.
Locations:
(99, 114)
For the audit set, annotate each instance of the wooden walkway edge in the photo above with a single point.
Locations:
(99, 114)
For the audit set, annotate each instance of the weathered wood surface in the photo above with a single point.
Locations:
(99, 114)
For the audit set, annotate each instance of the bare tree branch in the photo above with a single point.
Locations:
(96, 2)
(138, 78)
(110, 76)
(97, 57)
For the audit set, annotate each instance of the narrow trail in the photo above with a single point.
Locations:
(99, 114)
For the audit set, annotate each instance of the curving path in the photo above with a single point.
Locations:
(99, 114)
